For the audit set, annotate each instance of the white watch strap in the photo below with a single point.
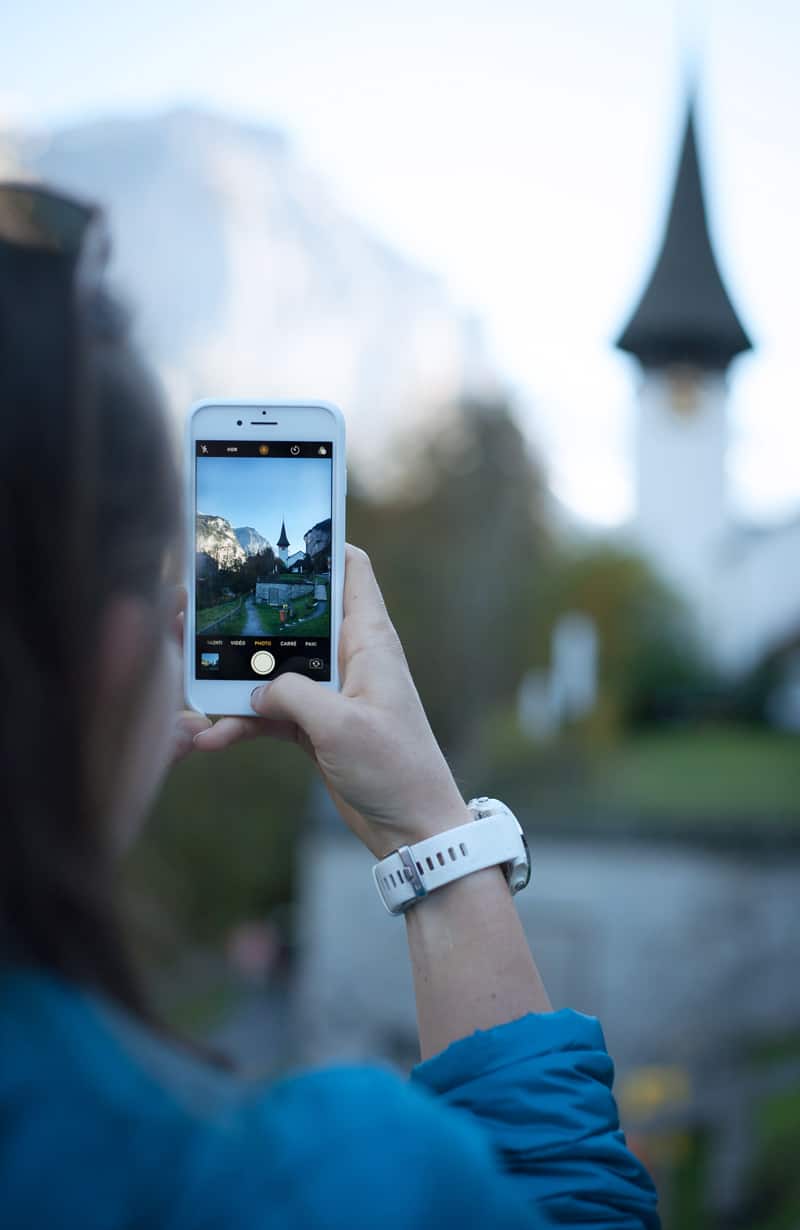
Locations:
(411, 872)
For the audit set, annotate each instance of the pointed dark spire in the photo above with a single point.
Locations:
(684, 314)
(283, 541)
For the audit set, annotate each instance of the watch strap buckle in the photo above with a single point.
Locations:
(410, 875)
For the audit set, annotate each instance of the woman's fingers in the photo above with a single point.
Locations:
(188, 724)
(229, 730)
(363, 600)
(300, 701)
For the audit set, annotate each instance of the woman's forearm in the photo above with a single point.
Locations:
(472, 965)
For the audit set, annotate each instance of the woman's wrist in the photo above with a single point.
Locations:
(427, 822)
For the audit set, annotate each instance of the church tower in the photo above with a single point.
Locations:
(685, 332)
(283, 543)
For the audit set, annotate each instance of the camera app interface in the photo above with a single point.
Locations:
(263, 558)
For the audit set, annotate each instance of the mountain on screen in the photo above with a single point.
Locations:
(251, 542)
(217, 538)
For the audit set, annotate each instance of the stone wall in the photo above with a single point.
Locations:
(658, 942)
(274, 594)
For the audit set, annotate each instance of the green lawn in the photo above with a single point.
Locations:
(304, 606)
(209, 615)
(269, 618)
(700, 780)
(318, 626)
(714, 772)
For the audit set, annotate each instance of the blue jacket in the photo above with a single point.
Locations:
(104, 1125)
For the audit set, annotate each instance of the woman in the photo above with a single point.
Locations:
(106, 1120)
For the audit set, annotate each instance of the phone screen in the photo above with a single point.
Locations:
(263, 558)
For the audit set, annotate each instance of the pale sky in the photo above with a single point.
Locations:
(523, 151)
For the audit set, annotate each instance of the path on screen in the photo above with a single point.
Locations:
(252, 624)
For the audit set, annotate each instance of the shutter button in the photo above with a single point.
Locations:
(262, 662)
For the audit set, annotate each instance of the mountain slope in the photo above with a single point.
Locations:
(251, 542)
(252, 281)
(216, 537)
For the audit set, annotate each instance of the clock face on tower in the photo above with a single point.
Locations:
(685, 389)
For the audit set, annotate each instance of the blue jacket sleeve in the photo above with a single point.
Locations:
(512, 1126)
(343, 1147)
(540, 1087)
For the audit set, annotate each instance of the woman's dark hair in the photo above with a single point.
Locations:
(89, 509)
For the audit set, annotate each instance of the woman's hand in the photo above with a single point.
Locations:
(371, 741)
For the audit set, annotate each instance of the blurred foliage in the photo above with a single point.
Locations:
(219, 844)
(651, 667)
(459, 553)
(685, 1206)
(753, 697)
(774, 1202)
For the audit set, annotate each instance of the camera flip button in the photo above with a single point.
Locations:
(262, 662)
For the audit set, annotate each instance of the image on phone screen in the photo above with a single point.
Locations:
(263, 558)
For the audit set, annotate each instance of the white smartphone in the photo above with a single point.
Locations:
(266, 484)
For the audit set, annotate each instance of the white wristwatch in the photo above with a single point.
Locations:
(493, 837)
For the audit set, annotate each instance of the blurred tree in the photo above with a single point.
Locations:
(209, 584)
(457, 552)
(651, 665)
(254, 568)
(219, 846)
(769, 693)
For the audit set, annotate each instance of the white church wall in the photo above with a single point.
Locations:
(755, 605)
(681, 517)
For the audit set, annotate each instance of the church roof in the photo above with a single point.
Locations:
(685, 314)
(283, 541)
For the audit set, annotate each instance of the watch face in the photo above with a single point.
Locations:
(518, 870)
(527, 879)
(521, 872)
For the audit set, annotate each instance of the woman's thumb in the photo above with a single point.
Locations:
(296, 698)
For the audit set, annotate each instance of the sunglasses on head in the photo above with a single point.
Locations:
(39, 219)
(43, 221)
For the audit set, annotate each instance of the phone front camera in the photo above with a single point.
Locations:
(238, 422)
